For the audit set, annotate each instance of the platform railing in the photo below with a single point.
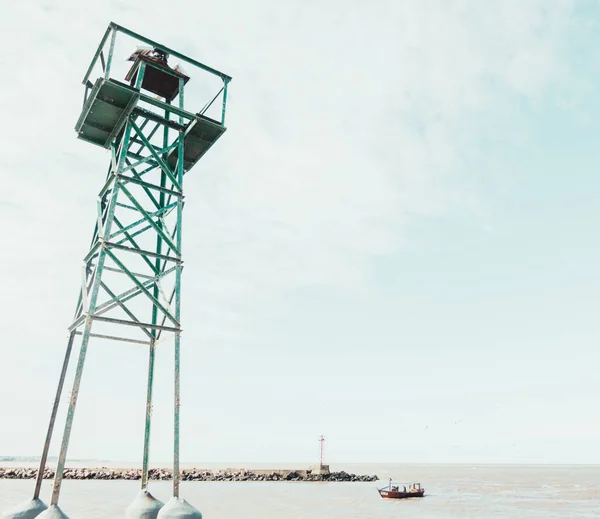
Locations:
(106, 63)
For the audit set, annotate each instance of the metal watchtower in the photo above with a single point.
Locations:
(131, 275)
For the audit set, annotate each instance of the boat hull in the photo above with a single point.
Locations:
(391, 494)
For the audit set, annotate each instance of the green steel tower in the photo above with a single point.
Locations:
(131, 275)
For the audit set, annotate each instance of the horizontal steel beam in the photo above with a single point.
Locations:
(150, 186)
(165, 106)
(142, 112)
(113, 245)
(119, 271)
(155, 301)
(161, 213)
(115, 338)
(136, 325)
(130, 294)
(125, 206)
(125, 309)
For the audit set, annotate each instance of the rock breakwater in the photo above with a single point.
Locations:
(188, 475)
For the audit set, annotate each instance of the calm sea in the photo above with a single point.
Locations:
(452, 492)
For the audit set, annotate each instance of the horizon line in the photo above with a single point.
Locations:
(163, 463)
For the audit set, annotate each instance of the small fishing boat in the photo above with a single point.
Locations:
(396, 491)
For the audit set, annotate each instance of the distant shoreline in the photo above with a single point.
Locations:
(97, 463)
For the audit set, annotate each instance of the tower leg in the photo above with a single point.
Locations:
(152, 349)
(35, 506)
(177, 507)
(71, 412)
(176, 475)
(145, 505)
(54, 512)
(61, 383)
(146, 456)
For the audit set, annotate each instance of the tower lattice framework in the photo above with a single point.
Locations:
(131, 275)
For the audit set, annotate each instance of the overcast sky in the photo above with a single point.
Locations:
(394, 244)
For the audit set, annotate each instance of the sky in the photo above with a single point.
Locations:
(393, 244)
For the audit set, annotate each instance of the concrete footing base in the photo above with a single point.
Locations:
(178, 508)
(144, 506)
(30, 509)
(53, 512)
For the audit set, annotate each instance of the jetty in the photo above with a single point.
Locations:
(104, 473)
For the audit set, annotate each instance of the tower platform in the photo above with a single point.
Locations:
(200, 135)
(111, 102)
(105, 111)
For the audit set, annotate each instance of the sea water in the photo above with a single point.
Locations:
(452, 492)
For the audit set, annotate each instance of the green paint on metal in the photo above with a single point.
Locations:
(200, 135)
(95, 58)
(105, 112)
(130, 239)
(146, 160)
(118, 246)
(133, 235)
(160, 188)
(165, 106)
(136, 325)
(125, 309)
(71, 412)
(46, 449)
(161, 163)
(129, 294)
(106, 185)
(177, 345)
(140, 285)
(150, 220)
(146, 189)
(157, 124)
(151, 353)
(111, 51)
(164, 210)
(224, 101)
(82, 354)
(146, 452)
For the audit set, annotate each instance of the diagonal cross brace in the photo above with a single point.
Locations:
(125, 309)
(129, 237)
(149, 158)
(156, 302)
(126, 180)
(137, 176)
(129, 294)
(163, 235)
(133, 235)
(158, 213)
(164, 166)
